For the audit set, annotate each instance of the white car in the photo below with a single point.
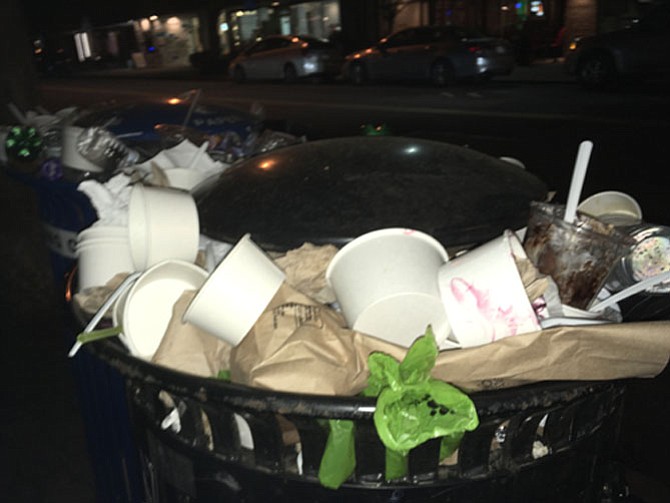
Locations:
(286, 57)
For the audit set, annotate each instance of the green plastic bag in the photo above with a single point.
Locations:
(412, 408)
(339, 457)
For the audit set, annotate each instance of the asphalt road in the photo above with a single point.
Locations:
(539, 117)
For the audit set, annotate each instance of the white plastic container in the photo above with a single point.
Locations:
(145, 310)
(100, 259)
(612, 207)
(163, 224)
(483, 294)
(236, 292)
(385, 282)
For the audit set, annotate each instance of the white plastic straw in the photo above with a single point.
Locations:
(631, 290)
(577, 182)
(194, 102)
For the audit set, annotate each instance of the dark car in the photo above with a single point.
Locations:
(441, 54)
(642, 50)
(286, 57)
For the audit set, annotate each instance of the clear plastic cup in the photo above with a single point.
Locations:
(578, 255)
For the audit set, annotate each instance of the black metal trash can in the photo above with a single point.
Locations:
(549, 442)
(209, 440)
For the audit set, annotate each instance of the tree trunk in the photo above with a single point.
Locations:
(18, 78)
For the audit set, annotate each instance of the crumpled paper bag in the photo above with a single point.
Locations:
(187, 348)
(299, 345)
(305, 270)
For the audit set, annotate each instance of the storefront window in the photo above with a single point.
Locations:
(168, 40)
(318, 19)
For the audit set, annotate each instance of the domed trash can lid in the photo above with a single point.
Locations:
(330, 191)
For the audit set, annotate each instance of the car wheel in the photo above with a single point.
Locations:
(238, 74)
(357, 74)
(596, 71)
(442, 73)
(290, 74)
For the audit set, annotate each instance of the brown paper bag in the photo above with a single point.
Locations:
(186, 348)
(300, 346)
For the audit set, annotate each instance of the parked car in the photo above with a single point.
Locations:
(642, 50)
(286, 57)
(441, 54)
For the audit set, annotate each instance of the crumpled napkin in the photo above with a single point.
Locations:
(110, 199)
(184, 155)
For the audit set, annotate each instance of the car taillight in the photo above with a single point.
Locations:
(474, 49)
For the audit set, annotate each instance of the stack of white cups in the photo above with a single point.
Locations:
(102, 251)
(162, 225)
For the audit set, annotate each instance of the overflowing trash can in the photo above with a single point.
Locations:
(210, 438)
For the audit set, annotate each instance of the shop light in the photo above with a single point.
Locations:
(223, 27)
(153, 18)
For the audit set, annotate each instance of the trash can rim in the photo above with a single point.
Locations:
(540, 395)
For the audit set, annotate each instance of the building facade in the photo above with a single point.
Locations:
(225, 27)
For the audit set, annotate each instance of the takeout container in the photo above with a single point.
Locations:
(145, 309)
(163, 224)
(102, 252)
(612, 207)
(483, 294)
(236, 293)
(385, 282)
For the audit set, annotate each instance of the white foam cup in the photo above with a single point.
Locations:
(70, 156)
(483, 294)
(613, 207)
(103, 232)
(385, 282)
(236, 292)
(145, 309)
(100, 259)
(163, 224)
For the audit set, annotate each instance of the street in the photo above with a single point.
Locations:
(538, 121)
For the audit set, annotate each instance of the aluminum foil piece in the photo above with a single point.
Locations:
(102, 148)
